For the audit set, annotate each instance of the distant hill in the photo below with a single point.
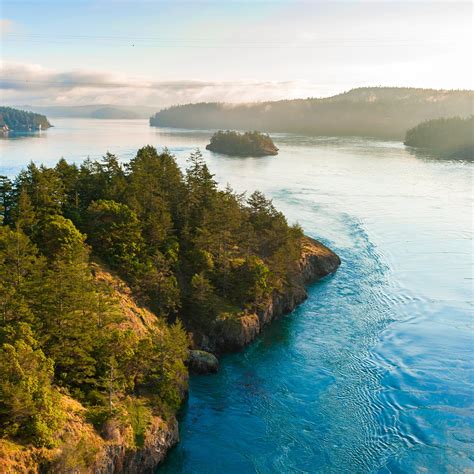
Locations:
(113, 113)
(21, 121)
(101, 111)
(452, 137)
(385, 112)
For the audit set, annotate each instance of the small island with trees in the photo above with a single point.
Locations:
(451, 137)
(14, 120)
(242, 144)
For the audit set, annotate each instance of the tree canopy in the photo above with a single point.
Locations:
(242, 144)
(188, 250)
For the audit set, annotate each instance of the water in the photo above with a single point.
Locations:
(374, 372)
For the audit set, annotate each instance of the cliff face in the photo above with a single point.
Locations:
(232, 334)
(116, 457)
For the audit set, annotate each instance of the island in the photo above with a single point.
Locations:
(449, 137)
(242, 144)
(14, 120)
(117, 280)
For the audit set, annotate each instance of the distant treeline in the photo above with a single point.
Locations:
(21, 121)
(379, 112)
(452, 136)
(97, 111)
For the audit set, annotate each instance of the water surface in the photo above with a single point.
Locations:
(373, 373)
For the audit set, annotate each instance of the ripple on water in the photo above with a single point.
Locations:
(373, 373)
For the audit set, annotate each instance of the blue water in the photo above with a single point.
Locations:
(374, 372)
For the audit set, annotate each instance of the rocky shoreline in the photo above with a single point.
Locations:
(231, 335)
(112, 452)
(317, 261)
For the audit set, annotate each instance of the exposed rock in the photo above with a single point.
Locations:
(202, 362)
(233, 333)
(160, 438)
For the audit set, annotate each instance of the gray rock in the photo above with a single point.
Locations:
(202, 362)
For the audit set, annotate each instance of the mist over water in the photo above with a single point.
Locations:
(373, 373)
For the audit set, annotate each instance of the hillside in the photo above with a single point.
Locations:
(379, 112)
(21, 121)
(89, 439)
(452, 137)
(100, 111)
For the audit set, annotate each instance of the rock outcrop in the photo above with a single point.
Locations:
(202, 362)
(161, 436)
(233, 333)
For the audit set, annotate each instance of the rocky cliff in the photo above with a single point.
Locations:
(234, 333)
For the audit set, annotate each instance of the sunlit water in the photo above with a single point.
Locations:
(374, 372)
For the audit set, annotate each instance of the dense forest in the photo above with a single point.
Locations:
(375, 112)
(242, 144)
(452, 137)
(188, 251)
(21, 121)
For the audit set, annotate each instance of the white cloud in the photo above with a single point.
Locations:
(35, 85)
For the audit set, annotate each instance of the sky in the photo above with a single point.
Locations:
(159, 53)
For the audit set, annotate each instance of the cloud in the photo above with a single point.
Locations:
(35, 85)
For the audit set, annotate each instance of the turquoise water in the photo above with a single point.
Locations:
(374, 372)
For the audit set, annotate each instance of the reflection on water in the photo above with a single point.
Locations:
(373, 373)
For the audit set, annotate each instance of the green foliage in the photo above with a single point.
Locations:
(58, 238)
(139, 415)
(28, 401)
(6, 187)
(242, 144)
(114, 232)
(446, 135)
(21, 271)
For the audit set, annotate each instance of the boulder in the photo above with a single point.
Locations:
(202, 362)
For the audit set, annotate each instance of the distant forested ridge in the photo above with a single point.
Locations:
(108, 273)
(453, 137)
(98, 111)
(378, 112)
(21, 121)
(242, 144)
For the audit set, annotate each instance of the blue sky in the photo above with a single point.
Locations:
(163, 52)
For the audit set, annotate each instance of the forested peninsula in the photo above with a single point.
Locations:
(384, 112)
(242, 144)
(21, 121)
(451, 137)
(112, 276)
